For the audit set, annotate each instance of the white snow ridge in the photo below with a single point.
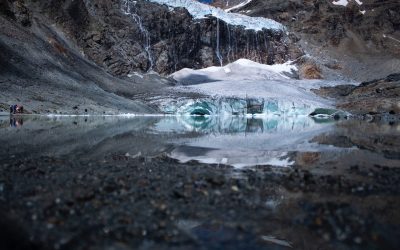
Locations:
(199, 11)
(242, 69)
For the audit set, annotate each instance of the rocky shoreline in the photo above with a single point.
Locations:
(124, 203)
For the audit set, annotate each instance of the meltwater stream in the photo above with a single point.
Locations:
(235, 141)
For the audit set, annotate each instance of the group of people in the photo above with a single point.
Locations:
(16, 109)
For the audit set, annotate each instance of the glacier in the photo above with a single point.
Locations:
(199, 11)
(245, 88)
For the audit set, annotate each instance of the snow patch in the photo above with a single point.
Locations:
(200, 11)
(345, 2)
(238, 6)
(340, 2)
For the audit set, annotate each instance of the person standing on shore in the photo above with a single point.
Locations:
(13, 108)
(16, 109)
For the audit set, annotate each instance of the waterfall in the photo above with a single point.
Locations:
(247, 53)
(229, 43)
(217, 51)
(234, 49)
(127, 10)
(257, 51)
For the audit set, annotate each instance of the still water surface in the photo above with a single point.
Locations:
(236, 141)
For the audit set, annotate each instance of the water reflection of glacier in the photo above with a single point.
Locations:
(232, 140)
(241, 141)
(234, 124)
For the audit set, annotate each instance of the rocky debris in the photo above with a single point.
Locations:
(310, 71)
(377, 97)
(380, 137)
(135, 202)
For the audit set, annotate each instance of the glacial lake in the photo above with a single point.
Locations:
(240, 142)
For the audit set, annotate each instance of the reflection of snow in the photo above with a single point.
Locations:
(238, 159)
(199, 10)
(274, 240)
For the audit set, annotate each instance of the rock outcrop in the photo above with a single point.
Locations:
(377, 97)
(370, 20)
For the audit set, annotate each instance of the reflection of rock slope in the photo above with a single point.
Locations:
(378, 138)
(365, 146)
(81, 137)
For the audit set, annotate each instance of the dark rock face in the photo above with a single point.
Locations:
(333, 21)
(176, 40)
(16, 10)
(151, 37)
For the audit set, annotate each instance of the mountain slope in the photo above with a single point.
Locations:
(360, 41)
(43, 70)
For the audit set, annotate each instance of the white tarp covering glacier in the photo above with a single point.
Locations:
(199, 10)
